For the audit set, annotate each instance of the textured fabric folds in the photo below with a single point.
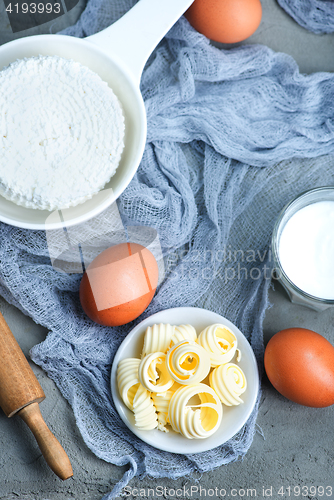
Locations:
(233, 135)
(314, 15)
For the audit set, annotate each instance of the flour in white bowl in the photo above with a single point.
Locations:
(61, 132)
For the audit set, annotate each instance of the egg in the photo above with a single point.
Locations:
(225, 21)
(119, 284)
(300, 365)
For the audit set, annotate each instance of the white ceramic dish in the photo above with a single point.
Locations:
(233, 417)
(112, 54)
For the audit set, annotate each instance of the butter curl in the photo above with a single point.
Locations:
(187, 362)
(183, 332)
(192, 420)
(153, 373)
(229, 382)
(157, 338)
(144, 411)
(127, 380)
(220, 342)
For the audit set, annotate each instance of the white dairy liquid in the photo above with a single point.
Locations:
(306, 249)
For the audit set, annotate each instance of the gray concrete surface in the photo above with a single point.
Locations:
(293, 447)
(281, 33)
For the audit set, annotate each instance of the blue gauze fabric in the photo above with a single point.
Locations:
(314, 15)
(232, 136)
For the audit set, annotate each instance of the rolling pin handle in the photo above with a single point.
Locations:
(50, 447)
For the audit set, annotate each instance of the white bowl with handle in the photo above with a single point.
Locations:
(118, 55)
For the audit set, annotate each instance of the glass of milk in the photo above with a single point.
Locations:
(303, 248)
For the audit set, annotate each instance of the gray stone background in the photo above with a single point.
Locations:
(293, 446)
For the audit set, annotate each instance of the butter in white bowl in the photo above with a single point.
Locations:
(61, 133)
(211, 421)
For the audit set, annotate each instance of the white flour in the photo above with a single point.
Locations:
(61, 132)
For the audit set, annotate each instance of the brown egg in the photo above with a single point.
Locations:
(119, 284)
(300, 365)
(225, 21)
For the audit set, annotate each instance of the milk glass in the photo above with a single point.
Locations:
(298, 294)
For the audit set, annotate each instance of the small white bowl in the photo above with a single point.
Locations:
(118, 62)
(233, 417)
(128, 92)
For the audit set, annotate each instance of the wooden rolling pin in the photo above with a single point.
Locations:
(21, 393)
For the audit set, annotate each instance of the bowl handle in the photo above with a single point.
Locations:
(134, 36)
